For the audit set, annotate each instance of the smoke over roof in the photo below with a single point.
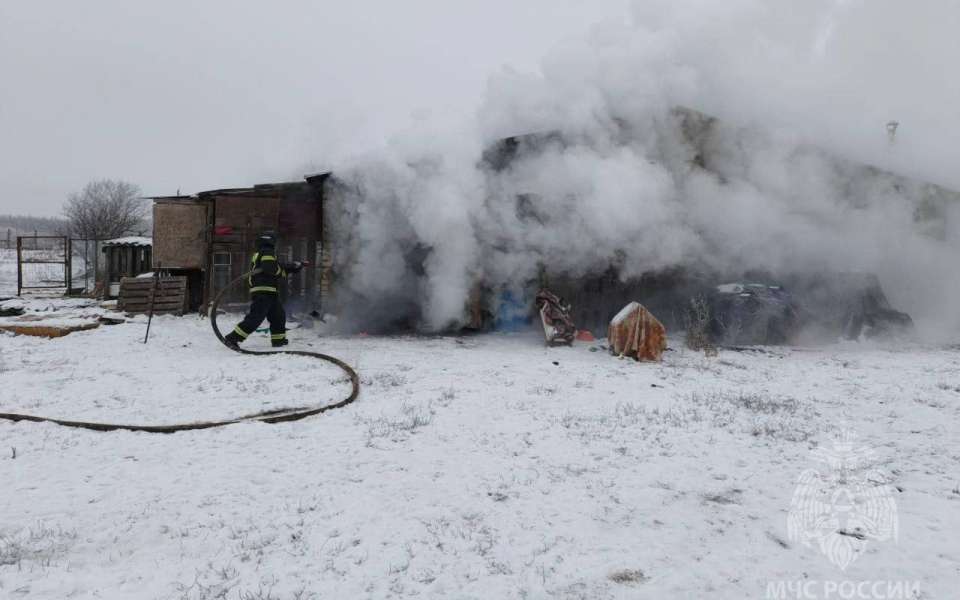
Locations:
(619, 181)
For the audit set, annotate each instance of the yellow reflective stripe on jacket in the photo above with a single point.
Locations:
(253, 265)
(263, 288)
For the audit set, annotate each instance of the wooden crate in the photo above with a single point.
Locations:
(170, 296)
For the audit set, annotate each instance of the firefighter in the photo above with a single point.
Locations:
(265, 299)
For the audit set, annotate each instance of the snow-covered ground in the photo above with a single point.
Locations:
(8, 272)
(474, 467)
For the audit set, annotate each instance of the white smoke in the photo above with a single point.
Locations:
(613, 179)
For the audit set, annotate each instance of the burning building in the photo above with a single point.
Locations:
(382, 262)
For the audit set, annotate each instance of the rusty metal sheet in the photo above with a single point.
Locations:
(636, 333)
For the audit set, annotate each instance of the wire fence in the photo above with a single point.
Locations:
(46, 262)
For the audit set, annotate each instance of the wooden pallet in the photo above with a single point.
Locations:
(170, 296)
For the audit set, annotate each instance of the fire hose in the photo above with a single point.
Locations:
(271, 416)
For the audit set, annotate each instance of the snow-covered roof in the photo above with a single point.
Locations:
(624, 313)
(132, 240)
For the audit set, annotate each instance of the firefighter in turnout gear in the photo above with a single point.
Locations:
(265, 302)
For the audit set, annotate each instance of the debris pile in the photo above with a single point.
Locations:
(558, 327)
(747, 314)
(636, 333)
(851, 305)
(808, 308)
(48, 318)
(11, 309)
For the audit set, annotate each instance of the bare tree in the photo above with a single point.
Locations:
(106, 209)
(697, 323)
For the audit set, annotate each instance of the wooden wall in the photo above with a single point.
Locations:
(299, 231)
(237, 220)
(180, 234)
(214, 234)
(126, 261)
(290, 210)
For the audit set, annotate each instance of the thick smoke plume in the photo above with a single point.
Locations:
(616, 176)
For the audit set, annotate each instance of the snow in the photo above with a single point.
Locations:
(470, 467)
(730, 288)
(53, 311)
(134, 240)
(625, 312)
(8, 272)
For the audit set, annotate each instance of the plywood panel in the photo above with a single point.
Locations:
(179, 235)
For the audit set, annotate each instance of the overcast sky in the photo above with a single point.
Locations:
(198, 95)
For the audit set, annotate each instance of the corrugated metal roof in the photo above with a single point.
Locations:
(133, 240)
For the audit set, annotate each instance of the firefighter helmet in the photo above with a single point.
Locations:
(267, 239)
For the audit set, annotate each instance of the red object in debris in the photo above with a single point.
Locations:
(584, 335)
(222, 230)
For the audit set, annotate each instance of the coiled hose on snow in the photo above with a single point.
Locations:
(271, 416)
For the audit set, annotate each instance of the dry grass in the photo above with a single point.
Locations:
(37, 546)
(628, 577)
(782, 418)
(399, 426)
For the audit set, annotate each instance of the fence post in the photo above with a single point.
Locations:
(68, 263)
(153, 295)
(96, 265)
(19, 265)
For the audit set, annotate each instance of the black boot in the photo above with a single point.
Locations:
(278, 343)
(233, 340)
